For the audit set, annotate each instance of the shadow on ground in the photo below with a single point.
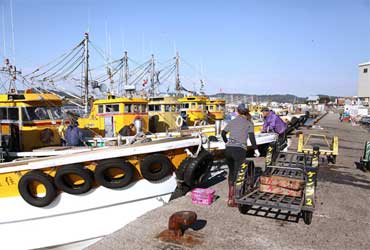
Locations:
(276, 214)
(334, 174)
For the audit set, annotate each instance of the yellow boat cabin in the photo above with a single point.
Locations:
(193, 109)
(216, 110)
(164, 114)
(108, 116)
(29, 120)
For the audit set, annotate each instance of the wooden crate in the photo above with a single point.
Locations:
(284, 182)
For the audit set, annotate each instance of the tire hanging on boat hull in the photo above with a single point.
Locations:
(25, 189)
(64, 182)
(155, 167)
(197, 167)
(104, 176)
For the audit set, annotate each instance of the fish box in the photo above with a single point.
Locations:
(280, 190)
(284, 182)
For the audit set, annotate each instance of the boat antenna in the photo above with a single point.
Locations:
(86, 70)
(12, 24)
(177, 79)
(152, 76)
(4, 33)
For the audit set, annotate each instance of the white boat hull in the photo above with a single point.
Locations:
(78, 220)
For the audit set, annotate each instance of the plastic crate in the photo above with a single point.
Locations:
(202, 196)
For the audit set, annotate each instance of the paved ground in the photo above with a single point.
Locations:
(341, 219)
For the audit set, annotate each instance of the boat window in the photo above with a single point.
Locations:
(185, 105)
(178, 106)
(3, 114)
(143, 108)
(13, 114)
(200, 106)
(111, 108)
(35, 114)
(136, 108)
(57, 113)
(211, 107)
(174, 108)
(167, 108)
(100, 109)
(128, 108)
(193, 105)
(222, 107)
(154, 107)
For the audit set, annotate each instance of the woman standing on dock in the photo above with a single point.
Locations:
(236, 146)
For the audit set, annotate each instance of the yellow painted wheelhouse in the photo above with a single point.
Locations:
(216, 110)
(164, 114)
(108, 116)
(194, 109)
(29, 120)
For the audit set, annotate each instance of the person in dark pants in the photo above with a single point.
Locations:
(126, 130)
(240, 129)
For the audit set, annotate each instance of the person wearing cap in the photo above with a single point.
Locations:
(272, 122)
(240, 129)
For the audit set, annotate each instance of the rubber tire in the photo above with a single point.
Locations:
(76, 169)
(180, 171)
(106, 181)
(148, 161)
(197, 167)
(46, 180)
(243, 209)
(307, 217)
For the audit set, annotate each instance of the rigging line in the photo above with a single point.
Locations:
(4, 39)
(12, 25)
(65, 67)
(104, 65)
(165, 72)
(113, 74)
(62, 57)
(118, 67)
(146, 70)
(137, 69)
(167, 76)
(60, 62)
(100, 52)
(68, 74)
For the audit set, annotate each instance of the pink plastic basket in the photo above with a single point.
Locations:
(202, 196)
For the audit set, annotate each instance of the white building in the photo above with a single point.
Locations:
(363, 89)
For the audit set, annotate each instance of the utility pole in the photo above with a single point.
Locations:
(178, 86)
(86, 71)
(152, 75)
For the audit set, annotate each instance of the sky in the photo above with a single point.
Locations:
(252, 47)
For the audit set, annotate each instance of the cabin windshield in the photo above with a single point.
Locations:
(35, 114)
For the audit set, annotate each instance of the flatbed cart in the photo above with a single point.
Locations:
(293, 167)
(330, 150)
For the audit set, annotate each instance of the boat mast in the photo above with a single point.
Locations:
(86, 71)
(152, 75)
(178, 86)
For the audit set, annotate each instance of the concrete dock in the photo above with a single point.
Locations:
(341, 219)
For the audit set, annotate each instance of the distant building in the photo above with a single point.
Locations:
(363, 80)
(313, 99)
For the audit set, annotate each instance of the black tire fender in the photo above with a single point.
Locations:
(103, 177)
(180, 171)
(66, 185)
(44, 179)
(155, 167)
(197, 167)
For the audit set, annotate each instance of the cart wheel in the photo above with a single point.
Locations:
(243, 209)
(307, 217)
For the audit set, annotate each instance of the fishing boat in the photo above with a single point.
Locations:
(77, 198)
(193, 110)
(108, 116)
(164, 114)
(29, 120)
(215, 109)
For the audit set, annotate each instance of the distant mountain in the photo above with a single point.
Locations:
(235, 98)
